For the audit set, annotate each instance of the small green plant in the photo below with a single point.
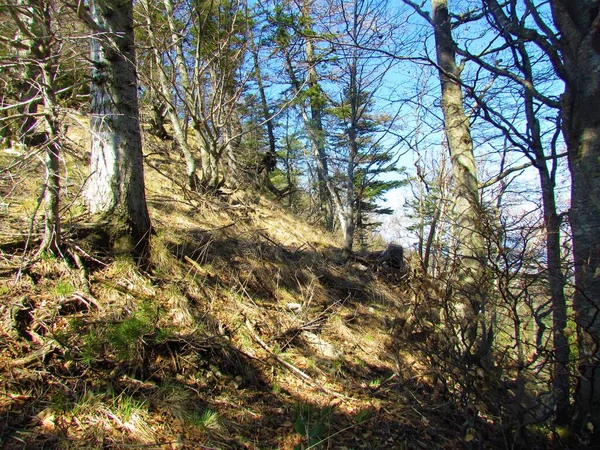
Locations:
(206, 420)
(311, 423)
(361, 416)
(127, 406)
(64, 289)
(276, 389)
(122, 340)
(4, 290)
(375, 383)
(164, 334)
(125, 337)
(93, 345)
(336, 369)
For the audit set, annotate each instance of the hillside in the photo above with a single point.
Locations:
(247, 332)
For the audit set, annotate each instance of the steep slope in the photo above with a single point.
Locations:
(248, 332)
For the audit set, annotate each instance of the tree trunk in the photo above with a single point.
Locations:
(232, 137)
(561, 372)
(438, 212)
(351, 163)
(190, 98)
(52, 228)
(115, 189)
(467, 209)
(35, 24)
(313, 137)
(316, 120)
(556, 280)
(166, 91)
(263, 99)
(578, 23)
(270, 129)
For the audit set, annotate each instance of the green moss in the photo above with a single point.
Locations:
(64, 288)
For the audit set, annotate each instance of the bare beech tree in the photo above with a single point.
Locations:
(507, 66)
(573, 52)
(207, 83)
(469, 216)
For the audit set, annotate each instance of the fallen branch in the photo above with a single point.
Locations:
(37, 355)
(291, 367)
(201, 270)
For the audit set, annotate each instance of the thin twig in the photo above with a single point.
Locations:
(291, 367)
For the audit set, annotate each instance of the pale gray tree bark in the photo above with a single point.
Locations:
(521, 71)
(467, 211)
(232, 140)
(192, 98)
(115, 189)
(552, 222)
(52, 224)
(208, 76)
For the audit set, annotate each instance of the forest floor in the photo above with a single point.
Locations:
(247, 332)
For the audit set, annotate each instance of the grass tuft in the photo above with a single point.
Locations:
(207, 420)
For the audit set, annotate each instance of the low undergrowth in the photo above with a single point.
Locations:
(247, 331)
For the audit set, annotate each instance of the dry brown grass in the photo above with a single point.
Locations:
(171, 358)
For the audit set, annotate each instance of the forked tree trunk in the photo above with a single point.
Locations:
(467, 209)
(115, 189)
(579, 24)
(189, 97)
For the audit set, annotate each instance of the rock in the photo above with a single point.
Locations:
(392, 257)
(359, 266)
(296, 307)
(321, 347)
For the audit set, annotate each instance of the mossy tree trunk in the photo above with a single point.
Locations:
(40, 126)
(115, 189)
(467, 211)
